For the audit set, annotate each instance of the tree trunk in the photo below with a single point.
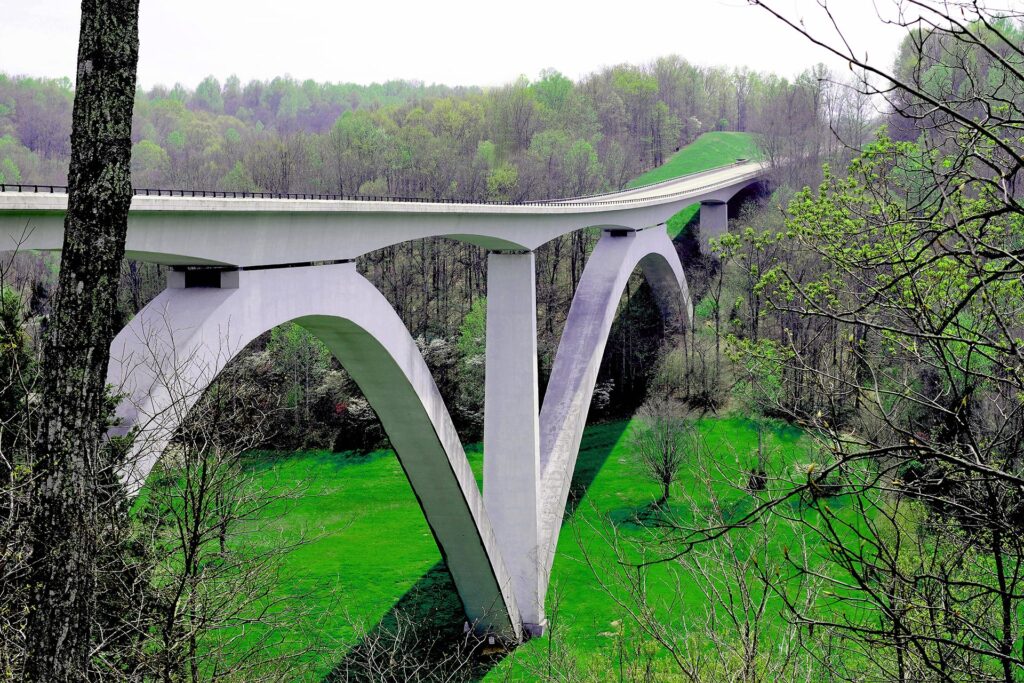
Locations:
(67, 468)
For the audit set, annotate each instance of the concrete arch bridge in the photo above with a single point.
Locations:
(245, 264)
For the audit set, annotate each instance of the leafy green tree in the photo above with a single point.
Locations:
(920, 416)
(150, 164)
(582, 168)
(9, 172)
(502, 182)
(472, 357)
(208, 95)
(238, 179)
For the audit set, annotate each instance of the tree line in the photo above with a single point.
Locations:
(543, 138)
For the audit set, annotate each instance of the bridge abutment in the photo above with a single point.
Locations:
(511, 427)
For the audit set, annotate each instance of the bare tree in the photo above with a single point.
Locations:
(211, 523)
(909, 268)
(208, 549)
(660, 442)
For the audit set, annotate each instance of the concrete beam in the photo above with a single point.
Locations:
(171, 351)
(511, 426)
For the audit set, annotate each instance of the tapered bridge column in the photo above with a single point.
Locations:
(714, 222)
(511, 427)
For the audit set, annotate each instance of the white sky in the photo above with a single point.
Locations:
(457, 42)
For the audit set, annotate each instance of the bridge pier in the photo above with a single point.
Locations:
(511, 427)
(714, 222)
(174, 348)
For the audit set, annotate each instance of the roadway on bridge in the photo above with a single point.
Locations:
(259, 231)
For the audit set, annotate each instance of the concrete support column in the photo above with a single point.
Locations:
(511, 427)
(714, 222)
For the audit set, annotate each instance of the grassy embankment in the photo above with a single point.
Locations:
(373, 554)
(707, 151)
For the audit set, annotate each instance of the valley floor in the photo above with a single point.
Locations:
(371, 567)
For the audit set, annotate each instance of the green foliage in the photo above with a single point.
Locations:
(9, 171)
(501, 182)
(208, 95)
(238, 179)
(176, 139)
(705, 309)
(427, 141)
(552, 90)
(487, 153)
(150, 164)
(472, 333)
(378, 187)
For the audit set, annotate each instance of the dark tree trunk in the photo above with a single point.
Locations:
(68, 465)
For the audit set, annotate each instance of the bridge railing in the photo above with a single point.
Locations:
(584, 200)
(51, 189)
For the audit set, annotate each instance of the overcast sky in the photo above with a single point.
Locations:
(472, 42)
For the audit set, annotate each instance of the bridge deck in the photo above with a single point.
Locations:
(264, 230)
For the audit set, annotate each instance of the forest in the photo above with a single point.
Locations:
(820, 479)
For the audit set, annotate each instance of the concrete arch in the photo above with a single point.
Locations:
(574, 372)
(173, 349)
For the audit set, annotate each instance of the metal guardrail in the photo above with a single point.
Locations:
(568, 201)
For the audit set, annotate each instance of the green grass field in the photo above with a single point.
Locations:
(372, 553)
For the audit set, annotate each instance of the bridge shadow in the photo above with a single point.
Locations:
(421, 637)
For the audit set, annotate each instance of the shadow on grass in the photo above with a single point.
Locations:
(258, 462)
(421, 637)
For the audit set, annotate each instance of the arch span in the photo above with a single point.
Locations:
(174, 348)
(574, 372)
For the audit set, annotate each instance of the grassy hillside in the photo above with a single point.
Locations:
(708, 151)
(373, 556)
